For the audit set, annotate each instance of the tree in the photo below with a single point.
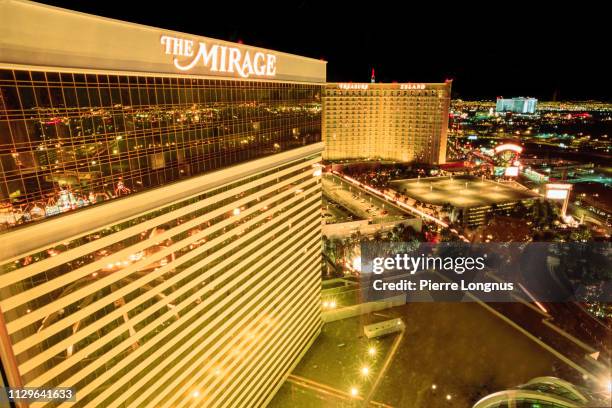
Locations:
(580, 234)
(447, 207)
(544, 214)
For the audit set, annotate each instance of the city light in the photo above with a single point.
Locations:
(329, 304)
(357, 263)
(365, 371)
(354, 391)
(372, 351)
(236, 211)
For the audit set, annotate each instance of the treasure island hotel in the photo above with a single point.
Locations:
(399, 122)
(160, 212)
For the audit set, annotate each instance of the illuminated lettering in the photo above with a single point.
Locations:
(271, 66)
(353, 86)
(165, 40)
(223, 55)
(258, 63)
(234, 60)
(218, 58)
(412, 86)
(247, 67)
(189, 48)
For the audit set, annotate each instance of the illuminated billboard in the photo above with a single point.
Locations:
(557, 194)
(511, 171)
(558, 191)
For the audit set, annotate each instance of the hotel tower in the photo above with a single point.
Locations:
(159, 212)
(374, 121)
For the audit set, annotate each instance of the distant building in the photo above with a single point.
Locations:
(517, 105)
(398, 122)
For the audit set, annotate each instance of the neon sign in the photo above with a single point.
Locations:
(353, 86)
(412, 86)
(219, 58)
(508, 146)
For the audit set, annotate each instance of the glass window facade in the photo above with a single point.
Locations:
(70, 140)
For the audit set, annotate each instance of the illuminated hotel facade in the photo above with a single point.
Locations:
(398, 122)
(160, 212)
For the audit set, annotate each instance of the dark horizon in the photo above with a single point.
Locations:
(552, 54)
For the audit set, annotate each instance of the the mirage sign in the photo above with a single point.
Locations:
(188, 54)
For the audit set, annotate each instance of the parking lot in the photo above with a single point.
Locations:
(333, 212)
(360, 203)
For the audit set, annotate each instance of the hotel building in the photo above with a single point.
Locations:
(527, 106)
(160, 212)
(398, 122)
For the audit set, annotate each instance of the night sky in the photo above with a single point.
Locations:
(503, 48)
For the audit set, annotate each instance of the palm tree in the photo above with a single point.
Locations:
(447, 207)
